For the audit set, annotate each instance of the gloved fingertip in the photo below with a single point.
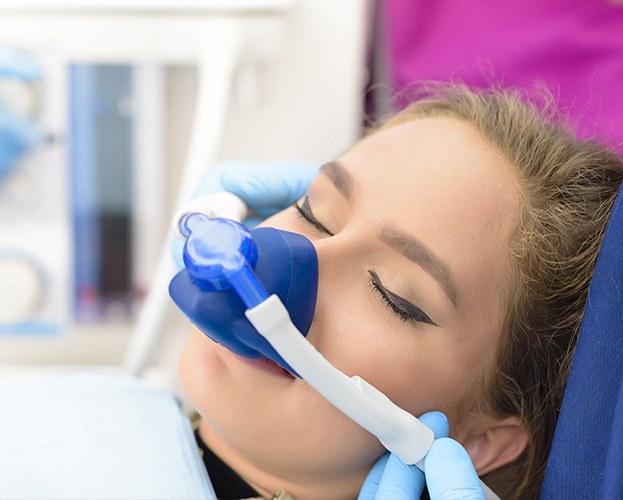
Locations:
(400, 481)
(371, 483)
(450, 472)
(395, 462)
(437, 422)
(448, 447)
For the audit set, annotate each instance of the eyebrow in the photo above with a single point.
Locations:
(341, 178)
(407, 245)
(417, 252)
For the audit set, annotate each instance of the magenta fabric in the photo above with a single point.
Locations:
(574, 47)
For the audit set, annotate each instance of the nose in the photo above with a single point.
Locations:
(288, 266)
(339, 269)
(337, 257)
(338, 252)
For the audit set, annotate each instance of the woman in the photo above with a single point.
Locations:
(456, 244)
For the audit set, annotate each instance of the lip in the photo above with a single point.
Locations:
(265, 365)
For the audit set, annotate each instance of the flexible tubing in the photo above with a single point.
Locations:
(399, 431)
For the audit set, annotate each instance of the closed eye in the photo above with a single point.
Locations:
(305, 211)
(404, 309)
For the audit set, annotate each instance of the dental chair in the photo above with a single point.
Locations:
(586, 458)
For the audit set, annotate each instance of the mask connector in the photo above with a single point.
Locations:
(219, 254)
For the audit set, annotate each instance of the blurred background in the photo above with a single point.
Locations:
(104, 105)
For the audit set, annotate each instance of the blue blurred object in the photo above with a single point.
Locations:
(586, 458)
(17, 136)
(18, 133)
(18, 64)
(287, 266)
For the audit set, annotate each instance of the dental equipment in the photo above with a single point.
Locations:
(268, 275)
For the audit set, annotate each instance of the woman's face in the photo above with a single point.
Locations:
(412, 229)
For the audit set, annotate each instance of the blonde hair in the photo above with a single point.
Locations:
(568, 188)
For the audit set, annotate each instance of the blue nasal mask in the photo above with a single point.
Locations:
(254, 292)
(230, 269)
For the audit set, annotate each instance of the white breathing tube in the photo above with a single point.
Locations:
(399, 431)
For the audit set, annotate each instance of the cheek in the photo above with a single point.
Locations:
(199, 365)
(417, 367)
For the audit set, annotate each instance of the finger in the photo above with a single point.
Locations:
(256, 191)
(450, 473)
(400, 481)
(371, 484)
(437, 422)
(274, 185)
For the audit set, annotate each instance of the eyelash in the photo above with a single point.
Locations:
(415, 316)
(309, 217)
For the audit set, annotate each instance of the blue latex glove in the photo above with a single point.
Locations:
(449, 471)
(266, 187)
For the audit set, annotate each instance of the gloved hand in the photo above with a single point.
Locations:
(449, 471)
(266, 187)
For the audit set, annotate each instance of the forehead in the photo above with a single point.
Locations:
(440, 158)
(439, 179)
(455, 151)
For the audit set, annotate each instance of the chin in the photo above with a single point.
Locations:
(273, 420)
(199, 367)
(224, 388)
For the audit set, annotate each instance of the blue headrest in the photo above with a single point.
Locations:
(586, 459)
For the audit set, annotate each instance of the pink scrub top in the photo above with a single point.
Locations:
(573, 47)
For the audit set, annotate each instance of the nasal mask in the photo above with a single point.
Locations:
(254, 292)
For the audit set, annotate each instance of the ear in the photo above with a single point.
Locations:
(501, 442)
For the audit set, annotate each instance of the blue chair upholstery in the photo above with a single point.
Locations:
(586, 459)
